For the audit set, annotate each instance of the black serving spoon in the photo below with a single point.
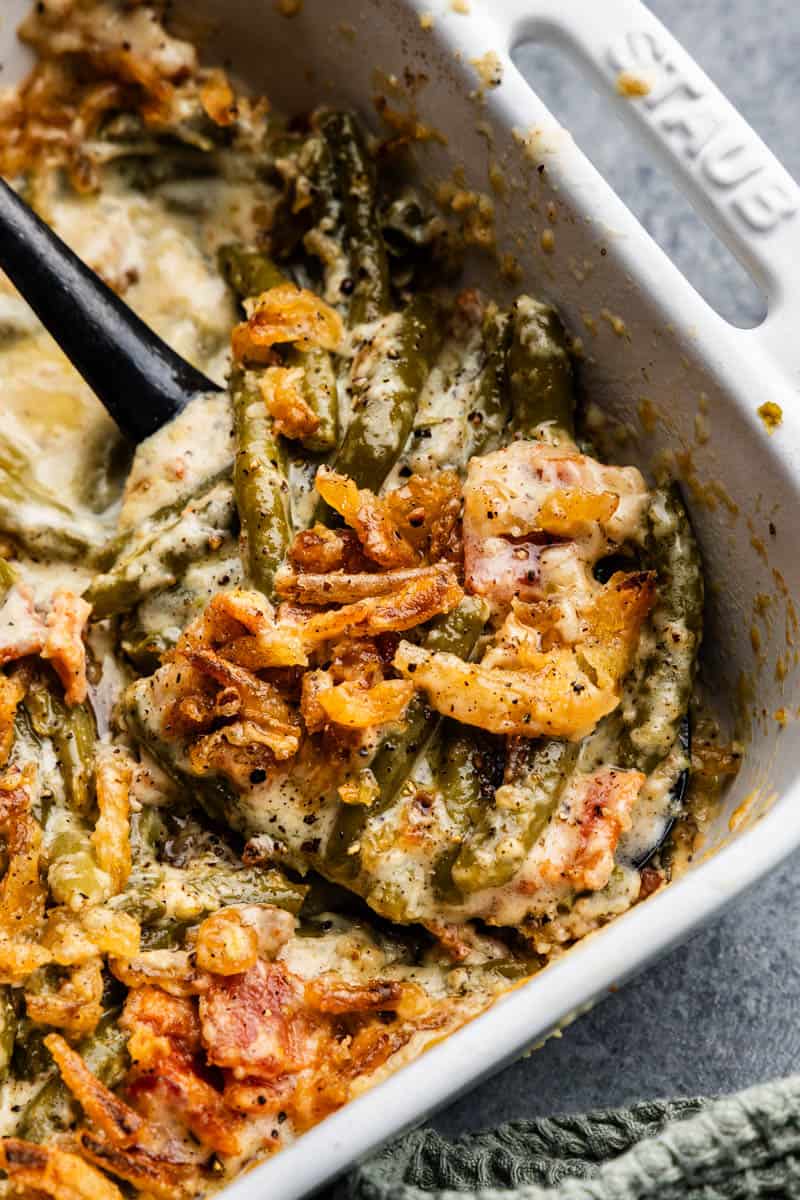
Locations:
(139, 379)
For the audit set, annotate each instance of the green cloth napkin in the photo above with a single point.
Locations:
(735, 1148)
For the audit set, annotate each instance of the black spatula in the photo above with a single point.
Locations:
(138, 378)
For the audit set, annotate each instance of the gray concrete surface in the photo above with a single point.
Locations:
(722, 1012)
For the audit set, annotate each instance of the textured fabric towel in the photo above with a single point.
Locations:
(736, 1148)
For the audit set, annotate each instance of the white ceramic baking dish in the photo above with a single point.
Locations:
(669, 371)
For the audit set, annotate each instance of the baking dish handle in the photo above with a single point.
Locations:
(730, 176)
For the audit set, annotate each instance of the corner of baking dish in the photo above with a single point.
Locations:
(677, 382)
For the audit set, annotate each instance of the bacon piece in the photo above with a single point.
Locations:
(518, 499)
(257, 1022)
(164, 1039)
(285, 314)
(63, 643)
(46, 1170)
(292, 415)
(22, 630)
(176, 1085)
(579, 846)
(369, 516)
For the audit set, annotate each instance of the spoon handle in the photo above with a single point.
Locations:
(138, 378)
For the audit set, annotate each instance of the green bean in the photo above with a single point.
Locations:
(498, 844)
(159, 556)
(541, 373)
(355, 181)
(53, 1109)
(73, 875)
(260, 482)
(73, 733)
(321, 394)
(142, 717)
(458, 777)
(456, 632)
(249, 272)
(135, 540)
(653, 718)
(165, 894)
(385, 390)
(31, 1057)
(491, 401)
(8, 1029)
(159, 619)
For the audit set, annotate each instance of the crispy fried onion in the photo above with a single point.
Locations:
(602, 627)
(368, 515)
(336, 587)
(285, 315)
(76, 1005)
(121, 1140)
(552, 672)
(322, 550)
(226, 944)
(358, 707)
(115, 1119)
(218, 99)
(172, 970)
(235, 721)
(22, 894)
(12, 691)
(111, 836)
(417, 522)
(415, 601)
(282, 390)
(73, 938)
(58, 637)
(329, 993)
(558, 699)
(45, 1170)
(93, 60)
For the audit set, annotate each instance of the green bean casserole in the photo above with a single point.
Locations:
(355, 695)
